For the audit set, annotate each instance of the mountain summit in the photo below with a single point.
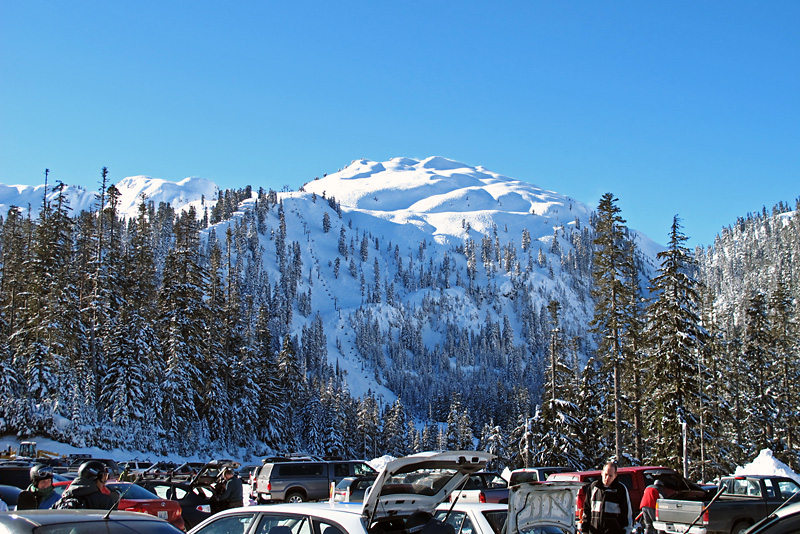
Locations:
(440, 196)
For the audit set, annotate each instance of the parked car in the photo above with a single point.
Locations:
(534, 474)
(742, 502)
(483, 487)
(303, 481)
(405, 494)
(195, 501)
(134, 498)
(782, 521)
(135, 466)
(10, 495)
(473, 518)
(246, 471)
(83, 522)
(352, 489)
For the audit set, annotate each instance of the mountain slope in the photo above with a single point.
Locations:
(433, 276)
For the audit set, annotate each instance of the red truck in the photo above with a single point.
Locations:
(636, 479)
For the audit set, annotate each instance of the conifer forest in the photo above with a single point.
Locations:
(187, 330)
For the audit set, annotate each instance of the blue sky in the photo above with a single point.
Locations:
(688, 108)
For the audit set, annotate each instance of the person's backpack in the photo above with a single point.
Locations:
(71, 502)
(27, 500)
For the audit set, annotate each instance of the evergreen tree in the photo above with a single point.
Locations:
(611, 296)
(675, 337)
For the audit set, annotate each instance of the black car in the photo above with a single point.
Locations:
(195, 501)
(10, 495)
(83, 522)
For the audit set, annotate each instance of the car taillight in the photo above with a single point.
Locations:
(204, 508)
(269, 487)
(705, 517)
(482, 497)
(137, 509)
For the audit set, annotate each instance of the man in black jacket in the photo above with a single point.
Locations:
(89, 489)
(607, 506)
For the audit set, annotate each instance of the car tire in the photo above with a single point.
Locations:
(295, 496)
(740, 527)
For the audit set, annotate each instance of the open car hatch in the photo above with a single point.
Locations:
(547, 504)
(419, 483)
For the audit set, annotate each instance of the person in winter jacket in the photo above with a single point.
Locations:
(40, 494)
(651, 494)
(607, 506)
(231, 492)
(89, 489)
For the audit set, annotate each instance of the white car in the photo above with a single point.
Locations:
(473, 518)
(403, 498)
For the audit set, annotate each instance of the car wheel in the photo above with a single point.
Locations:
(295, 497)
(740, 527)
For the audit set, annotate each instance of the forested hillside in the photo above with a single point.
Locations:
(272, 322)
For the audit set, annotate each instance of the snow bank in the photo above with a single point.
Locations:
(766, 464)
(378, 463)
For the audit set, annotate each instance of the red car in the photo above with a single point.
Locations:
(135, 498)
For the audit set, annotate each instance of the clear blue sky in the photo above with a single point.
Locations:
(678, 107)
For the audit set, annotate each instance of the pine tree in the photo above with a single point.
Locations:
(675, 337)
(610, 296)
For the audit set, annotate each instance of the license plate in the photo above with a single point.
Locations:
(163, 515)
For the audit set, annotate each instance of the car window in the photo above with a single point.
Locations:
(180, 493)
(495, 481)
(788, 488)
(161, 491)
(203, 491)
(362, 469)
(300, 469)
(496, 518)
(281, 524)
(341, 470)
(323, 527)
(454, 519)
(467, 527)
(229, 524)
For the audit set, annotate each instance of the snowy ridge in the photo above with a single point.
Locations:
(438, 195)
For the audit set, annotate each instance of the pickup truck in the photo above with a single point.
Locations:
(742, 501)
(483, 486)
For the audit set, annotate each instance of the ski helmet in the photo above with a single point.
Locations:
(41, 472)
(92, 469)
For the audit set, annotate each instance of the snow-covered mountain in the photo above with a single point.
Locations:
(432, 246)
(134, 189)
